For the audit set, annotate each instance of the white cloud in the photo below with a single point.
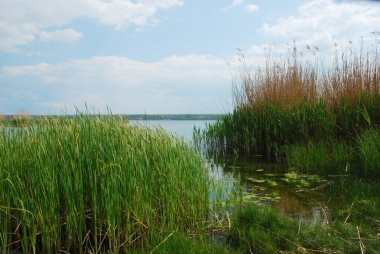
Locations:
(22, 20)
(233, 4)
(325, 22)
(177, 84)
(321, 30)
(252, 7)
(63, 35)
(237, 2)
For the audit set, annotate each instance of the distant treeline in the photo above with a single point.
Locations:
(136, 116)
(175, 117)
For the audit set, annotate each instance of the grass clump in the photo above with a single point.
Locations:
(90, 184)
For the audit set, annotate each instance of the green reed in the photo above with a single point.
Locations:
(369, 152)
(96, 183)
(360, 156)
(323, 157)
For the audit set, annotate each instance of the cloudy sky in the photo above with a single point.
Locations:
(154, 56)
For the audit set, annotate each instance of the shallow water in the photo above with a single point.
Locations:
(262, 182)
(294, 195)
(182, 128)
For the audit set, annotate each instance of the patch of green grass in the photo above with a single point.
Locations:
(261, 230)
(179, 244)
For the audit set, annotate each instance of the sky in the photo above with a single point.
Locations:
(156, 56)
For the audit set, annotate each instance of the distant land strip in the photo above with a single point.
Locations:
(145, 117)
(174, 117)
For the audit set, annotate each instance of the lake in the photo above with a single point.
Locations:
(182, 128)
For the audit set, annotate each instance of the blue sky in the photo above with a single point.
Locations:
(157, 56)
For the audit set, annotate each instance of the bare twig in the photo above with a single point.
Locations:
(162, 242)
(299, 227)
(325, 214)
(104, 237)
(349, 209)
(85, 238)
(361, 244)
(322, 186)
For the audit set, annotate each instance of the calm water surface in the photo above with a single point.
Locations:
(262, 182)
(182, 128)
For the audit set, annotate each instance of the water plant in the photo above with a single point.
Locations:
(96, 184)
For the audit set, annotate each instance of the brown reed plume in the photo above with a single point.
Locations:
(354, 75)
(287, 82)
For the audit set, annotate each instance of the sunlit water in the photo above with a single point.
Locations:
(261, 182)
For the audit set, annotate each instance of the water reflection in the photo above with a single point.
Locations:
(182, 128)
(266, 183)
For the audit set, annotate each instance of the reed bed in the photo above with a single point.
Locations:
(97, 184)
(291, 101)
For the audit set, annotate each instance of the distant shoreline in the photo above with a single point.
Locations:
(174, 117)
(143, 116)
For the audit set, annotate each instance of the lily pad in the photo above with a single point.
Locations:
(271, 182)
(301, 179)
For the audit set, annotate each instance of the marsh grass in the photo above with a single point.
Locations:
(324, 157)
(320, 120)
(369, 152)
(97, 184)
(291, 101)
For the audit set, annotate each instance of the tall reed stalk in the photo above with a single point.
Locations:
(90, 184)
